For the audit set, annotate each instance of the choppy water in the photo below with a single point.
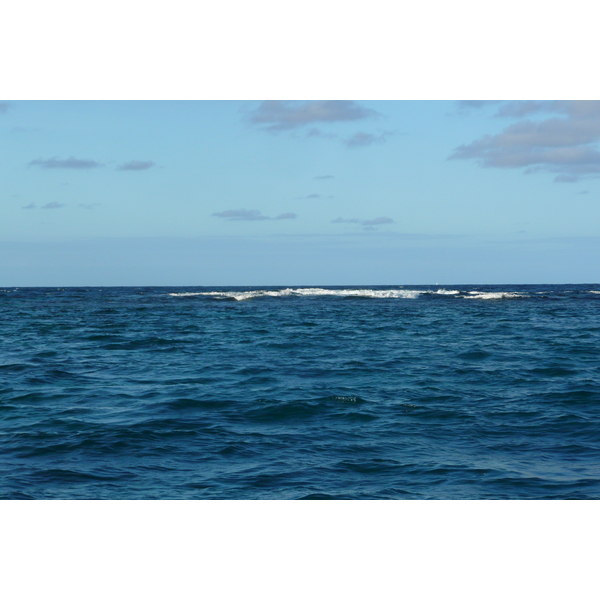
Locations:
(382, 392)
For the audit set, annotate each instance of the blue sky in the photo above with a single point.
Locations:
(298, 192)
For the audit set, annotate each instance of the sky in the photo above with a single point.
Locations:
(298, 192)
(151, 174)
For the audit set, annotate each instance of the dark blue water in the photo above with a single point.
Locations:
(366, 393)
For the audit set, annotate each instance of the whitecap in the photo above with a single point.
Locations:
(364, 293)
(492, 295)
(185, 293)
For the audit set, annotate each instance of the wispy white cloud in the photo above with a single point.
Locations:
(565, 145)
(251, 215)
(69, 163)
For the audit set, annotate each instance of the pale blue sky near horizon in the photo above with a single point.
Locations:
(298, 193)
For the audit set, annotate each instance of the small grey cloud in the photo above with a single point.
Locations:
(378, 221)
(4, 106)
(89, 206)
(251, 215)
(53, 205)
(521, 108)
(279, 115)
(470, 104)
(314, 132)
(566, 145)
(241, 215)
(323, 176)
(466, 107)
(30, 206)
(69, 163)
(584, 192)
(361, 139)
(136, 165)
(340, 220)
(559, 178)
(309, 197)
(368, 223)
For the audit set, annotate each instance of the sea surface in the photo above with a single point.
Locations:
(385, 392)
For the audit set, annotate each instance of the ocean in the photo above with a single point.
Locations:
(380, 392)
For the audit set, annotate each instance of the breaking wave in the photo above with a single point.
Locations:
(360, 293)
(492, 295)
(410, 294)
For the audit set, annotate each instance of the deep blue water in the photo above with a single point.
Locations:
(415, 392)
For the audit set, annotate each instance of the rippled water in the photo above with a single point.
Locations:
(381, 392)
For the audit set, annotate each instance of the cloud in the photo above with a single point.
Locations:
(251, 215)
(309, 197)
(475, 104)
(136, 165)
(279, 115)
(340, 220)
(241, 215)
(315, 132)
(565, 145)
(323, 176)
(53, 205)
(89, 206)
(521, 108)
(378, 221)
(466, 107)
(29, 206)
(361, 139)
(367, 224)
(4, 106)
(69, 163)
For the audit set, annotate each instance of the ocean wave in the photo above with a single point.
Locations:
(347, 293)
(492, 295)
(361, 293)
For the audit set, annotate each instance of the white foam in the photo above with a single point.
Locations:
(594, 292)
(409, 294)
(185, 293)
(492, 295)
(447, 292)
